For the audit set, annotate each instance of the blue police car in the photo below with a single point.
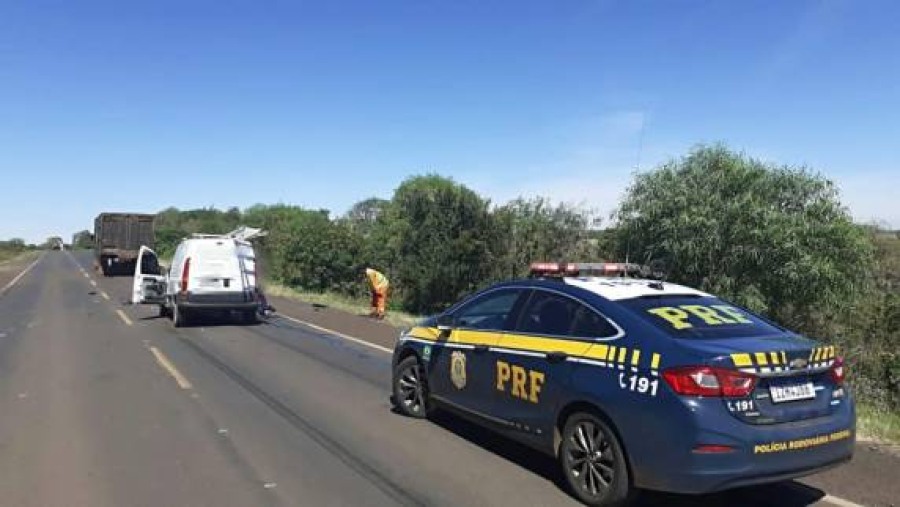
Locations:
(631, 383)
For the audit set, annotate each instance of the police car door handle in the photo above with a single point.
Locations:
(481, 348)
(556, 357)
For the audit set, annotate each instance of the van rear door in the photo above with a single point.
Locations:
(149, 285)
(215, 267)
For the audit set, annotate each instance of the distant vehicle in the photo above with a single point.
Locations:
(631, 383)
(209, 274)
(117, 239)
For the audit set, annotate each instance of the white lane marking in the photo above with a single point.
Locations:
(124, 317)
(93, 283)
(85, 274)
(167, 365)
(840, 502)
(105, 295)
(339, 335)
(20, 275)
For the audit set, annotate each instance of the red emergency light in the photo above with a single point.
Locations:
(558, 269)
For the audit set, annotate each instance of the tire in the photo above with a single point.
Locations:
(409, 388)
(593, 462)
(164, 311)
(179, 316)
(249, 317)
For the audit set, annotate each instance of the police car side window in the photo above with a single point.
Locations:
(489, 311)
(552, 314)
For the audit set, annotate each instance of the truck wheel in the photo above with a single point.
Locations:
(164, 311)
(179, 316)
(593, 462)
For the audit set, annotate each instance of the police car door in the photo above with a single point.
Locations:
(461, 372)
(535, 364)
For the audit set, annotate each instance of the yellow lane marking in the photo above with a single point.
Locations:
(167, 365)
(20, 275)
(105, 295)
(335, 333)
(124, 317)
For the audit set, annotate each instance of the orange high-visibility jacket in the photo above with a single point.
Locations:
(378, 281)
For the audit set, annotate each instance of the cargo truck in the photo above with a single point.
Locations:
(118, 238)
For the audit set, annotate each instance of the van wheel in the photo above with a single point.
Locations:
(249, 317)
(179, 316)
(593, 462)
(410, 388)
(164, 311)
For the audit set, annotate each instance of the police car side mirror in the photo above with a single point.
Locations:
(445, 322)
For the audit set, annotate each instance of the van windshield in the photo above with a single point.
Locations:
(699, 317)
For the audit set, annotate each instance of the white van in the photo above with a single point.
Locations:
(208, 274)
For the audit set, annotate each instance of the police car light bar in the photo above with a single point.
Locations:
(550, 269)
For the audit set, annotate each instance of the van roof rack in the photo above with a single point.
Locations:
(242, 233)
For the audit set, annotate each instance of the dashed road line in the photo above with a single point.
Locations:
(339, 335)
(93, 283)
(85, 274)
(170, 368)
(105, 295)
(20, 275)
(124, 317)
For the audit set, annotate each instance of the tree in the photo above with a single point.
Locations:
(435, 236)
(364, 214)
(82, 240)
(529, 230)
(773, 238)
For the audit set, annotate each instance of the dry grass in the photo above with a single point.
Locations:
(878, 423)
(10, 260)
(355, 306)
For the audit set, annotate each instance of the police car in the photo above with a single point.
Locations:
(631, 383)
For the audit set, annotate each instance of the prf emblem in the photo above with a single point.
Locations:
(458, 369)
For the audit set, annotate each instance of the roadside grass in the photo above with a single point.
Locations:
(9, 259)
(878, 423)
(355, 306)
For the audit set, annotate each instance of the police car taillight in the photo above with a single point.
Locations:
(710, 381)
(838, 371)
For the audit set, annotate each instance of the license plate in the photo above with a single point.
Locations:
(792, 392)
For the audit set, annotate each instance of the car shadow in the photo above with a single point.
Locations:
(782, 494)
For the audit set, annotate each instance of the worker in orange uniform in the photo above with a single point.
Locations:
(378, 283)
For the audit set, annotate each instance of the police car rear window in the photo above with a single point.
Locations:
(699, 317)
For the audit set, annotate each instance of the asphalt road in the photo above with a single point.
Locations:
(105, 404)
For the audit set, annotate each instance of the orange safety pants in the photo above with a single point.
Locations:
(379, 301)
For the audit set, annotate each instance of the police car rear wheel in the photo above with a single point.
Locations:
(410, 390)
(593, 463)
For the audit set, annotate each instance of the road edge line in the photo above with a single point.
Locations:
(353, 339)
(167, 365)
(21, 275)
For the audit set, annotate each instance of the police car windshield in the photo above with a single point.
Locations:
(699, 317)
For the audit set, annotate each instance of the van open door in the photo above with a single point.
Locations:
(149, 286)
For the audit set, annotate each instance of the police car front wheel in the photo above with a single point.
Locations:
(410, 388)
(593, 462)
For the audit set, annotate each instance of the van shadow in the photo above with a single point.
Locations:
(783, 494)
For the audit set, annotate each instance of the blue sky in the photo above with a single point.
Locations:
(141, 105)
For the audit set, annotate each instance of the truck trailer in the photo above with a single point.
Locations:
(118, 238)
